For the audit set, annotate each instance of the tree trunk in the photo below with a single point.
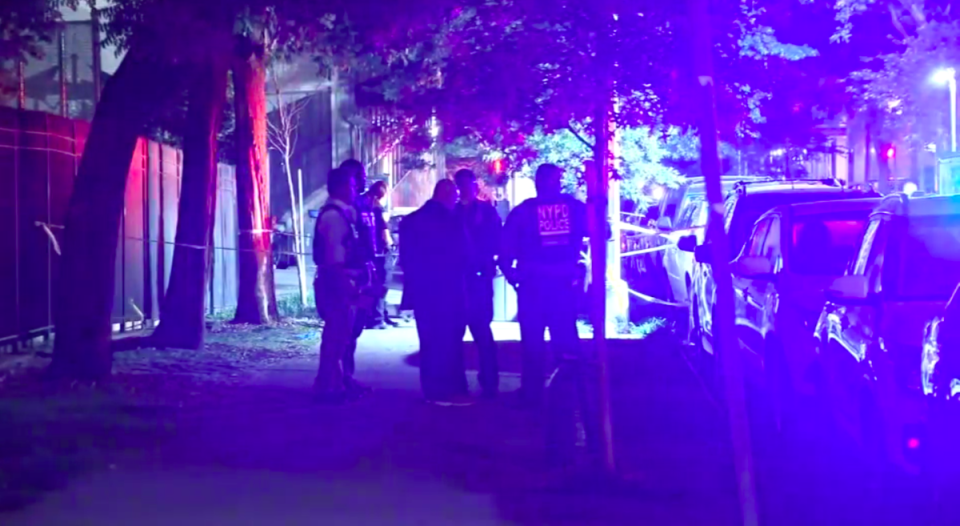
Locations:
(182, 313)
(256, 298)
(84, 301)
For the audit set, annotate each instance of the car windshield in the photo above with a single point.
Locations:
(930, 258)
(824, 244)
(751, 207)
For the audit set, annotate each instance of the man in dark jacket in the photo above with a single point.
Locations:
(434, 260)
(540, 256)
(366, 225)
(482, 224)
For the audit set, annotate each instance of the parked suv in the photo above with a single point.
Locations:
(871, 330)
(744, 205)
(794, 253)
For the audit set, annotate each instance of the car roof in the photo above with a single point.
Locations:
(812, 186)
(928, 205)
(728, 181)
(827, 207)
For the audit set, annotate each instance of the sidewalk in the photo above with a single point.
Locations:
(258, 452)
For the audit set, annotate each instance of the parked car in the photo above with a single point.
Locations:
(284, 254)
(793, 254)
(743, 206)
(940, 376)
(663, 274)
(871, 330)
(690, 219)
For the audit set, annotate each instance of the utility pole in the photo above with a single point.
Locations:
(727, 349)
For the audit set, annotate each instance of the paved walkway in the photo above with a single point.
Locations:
(261, 454)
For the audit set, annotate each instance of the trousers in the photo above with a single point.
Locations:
(336, 307)
(479, 318)
(543, 304)
(440, 329)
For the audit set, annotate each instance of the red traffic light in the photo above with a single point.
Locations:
(498, 166)
(891, 152)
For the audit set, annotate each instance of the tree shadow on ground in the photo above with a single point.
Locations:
(51, 434)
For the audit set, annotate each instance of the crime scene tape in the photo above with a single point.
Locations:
(651, 299)
(48, 229)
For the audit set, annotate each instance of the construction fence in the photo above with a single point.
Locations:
(39, 157)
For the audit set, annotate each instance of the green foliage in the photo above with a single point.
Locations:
(643, 156)
(898, 86)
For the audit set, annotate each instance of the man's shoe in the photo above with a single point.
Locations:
(391, 322)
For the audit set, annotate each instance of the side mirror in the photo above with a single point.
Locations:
(313, 213)
(702, 254)
(665, 224)
(849, 290)
(687, 243)
(753, 267)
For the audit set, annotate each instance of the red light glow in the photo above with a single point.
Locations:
(498, 166)
(913, 443)
(891, 153)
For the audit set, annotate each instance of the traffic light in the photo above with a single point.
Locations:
(890, 152)
(498, 166)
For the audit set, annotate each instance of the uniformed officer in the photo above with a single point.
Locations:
(365, 225)
(540, 256)
(336, 286)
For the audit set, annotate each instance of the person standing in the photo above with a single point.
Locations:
(365, 224)
(482, 225)
(434, 260)
(336, 285)
(383, 243)
(540, 257)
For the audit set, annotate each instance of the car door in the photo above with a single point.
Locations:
(853, 328)
(761, 293)
(746, 313)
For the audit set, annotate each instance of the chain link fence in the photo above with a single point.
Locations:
(63, 81)
(39, 157)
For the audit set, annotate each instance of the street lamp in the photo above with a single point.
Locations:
(948, 76)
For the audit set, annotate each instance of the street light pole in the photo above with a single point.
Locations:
(948, 76)
(953, 112)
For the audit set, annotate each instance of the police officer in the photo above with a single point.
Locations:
(540, 257)
(336, 286)
(366, 252)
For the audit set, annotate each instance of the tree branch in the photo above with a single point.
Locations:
(579, 137)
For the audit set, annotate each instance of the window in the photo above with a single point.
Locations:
(866, 246)
(871, 254)
(689, 212)
(824, 245)
(771, 245)
(755, 245)
(929, 258)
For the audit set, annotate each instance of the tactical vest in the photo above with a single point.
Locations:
(365, 227)
(354, 258)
